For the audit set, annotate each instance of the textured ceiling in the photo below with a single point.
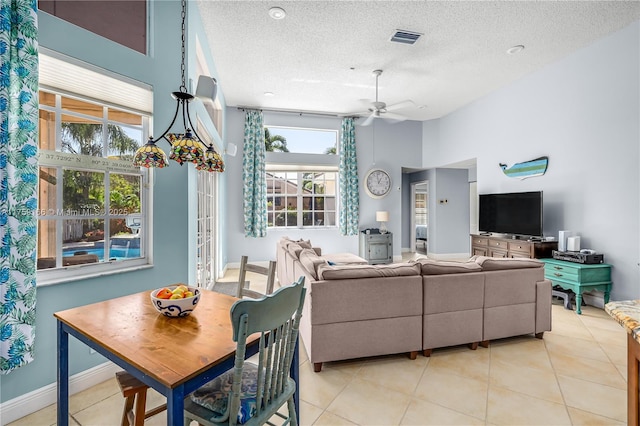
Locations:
(322, 55)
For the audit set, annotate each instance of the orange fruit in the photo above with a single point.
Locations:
(164, 293)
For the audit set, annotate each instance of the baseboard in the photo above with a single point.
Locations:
(38, 399)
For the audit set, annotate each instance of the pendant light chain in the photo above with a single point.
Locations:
(183, 87)
(186, 147)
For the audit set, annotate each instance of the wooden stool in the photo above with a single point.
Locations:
(134, 389)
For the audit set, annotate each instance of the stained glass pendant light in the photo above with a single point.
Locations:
(186, 147)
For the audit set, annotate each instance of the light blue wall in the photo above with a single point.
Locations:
(583, 112)
(390, 146)
(449, 206)
(173, 205)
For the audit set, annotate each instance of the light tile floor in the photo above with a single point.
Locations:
(575, 375)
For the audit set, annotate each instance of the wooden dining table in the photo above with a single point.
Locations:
(174, 356)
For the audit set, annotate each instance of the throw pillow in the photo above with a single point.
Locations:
(294, 249)
(310, 261)
(304, 244)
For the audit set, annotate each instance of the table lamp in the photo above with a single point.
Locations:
(383, 218)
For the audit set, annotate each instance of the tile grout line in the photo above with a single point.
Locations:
(555, 374)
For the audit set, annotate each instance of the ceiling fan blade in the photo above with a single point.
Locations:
(393, 118)
(401, 105)
(369, 120)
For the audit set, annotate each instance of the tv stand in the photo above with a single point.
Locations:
(483, 245)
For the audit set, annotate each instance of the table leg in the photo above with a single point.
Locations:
(175, 406)
(578, 303)
(607, 292)
(63, 376)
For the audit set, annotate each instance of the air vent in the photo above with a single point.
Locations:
(406, 37)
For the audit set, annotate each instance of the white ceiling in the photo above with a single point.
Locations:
(321, 56)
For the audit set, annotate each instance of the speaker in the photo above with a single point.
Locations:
(573, 243)
(562, 240)
(207, 88)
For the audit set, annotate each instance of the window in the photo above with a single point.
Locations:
(208, 224)
(302, 177)
(300, 141)
(301, 199)
(92, 207)
(124, 22)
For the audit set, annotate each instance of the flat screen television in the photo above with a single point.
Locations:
(516, 213)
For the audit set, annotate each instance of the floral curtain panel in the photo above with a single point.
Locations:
(18, 180)
(348, 177)
(253, 176)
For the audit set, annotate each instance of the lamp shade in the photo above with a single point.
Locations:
(184, 148)
(149, 155)
(382, 216)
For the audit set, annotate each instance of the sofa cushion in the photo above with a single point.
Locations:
(497, 264)
(344, 259)
(439, 267)
(310, 260)
(341, 272)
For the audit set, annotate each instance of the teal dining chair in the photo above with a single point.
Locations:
(251, 394)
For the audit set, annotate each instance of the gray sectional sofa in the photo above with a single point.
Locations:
(356, 310)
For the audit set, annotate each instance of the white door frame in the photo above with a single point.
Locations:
(413, 215)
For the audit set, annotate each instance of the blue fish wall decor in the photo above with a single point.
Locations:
(536, 167)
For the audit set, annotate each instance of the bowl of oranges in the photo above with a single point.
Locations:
(175, 300)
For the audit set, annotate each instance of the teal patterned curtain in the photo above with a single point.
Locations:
(18, 180)
(348, 177)
(253, 176)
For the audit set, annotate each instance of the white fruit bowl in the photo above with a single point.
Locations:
(175, 307)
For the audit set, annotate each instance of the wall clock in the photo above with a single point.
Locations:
(377, 183)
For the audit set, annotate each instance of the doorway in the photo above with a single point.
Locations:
(420, 217)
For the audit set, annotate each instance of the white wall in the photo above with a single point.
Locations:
(389, 146)
(583, 113)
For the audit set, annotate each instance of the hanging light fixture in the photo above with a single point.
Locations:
(186, 146)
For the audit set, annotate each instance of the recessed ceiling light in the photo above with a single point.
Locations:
(277, 13)
(515, 49)
(269, 94)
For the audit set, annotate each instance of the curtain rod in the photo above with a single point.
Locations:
(297, 112)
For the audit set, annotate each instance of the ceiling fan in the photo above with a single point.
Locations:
(380, 109)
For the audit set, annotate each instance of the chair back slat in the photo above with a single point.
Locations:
(245, 266)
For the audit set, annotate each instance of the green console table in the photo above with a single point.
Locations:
(579, 278)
